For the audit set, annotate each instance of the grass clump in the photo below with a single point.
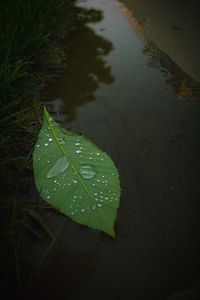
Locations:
(31, 34)
(27, 27)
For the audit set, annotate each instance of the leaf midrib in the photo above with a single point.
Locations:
(68, 157)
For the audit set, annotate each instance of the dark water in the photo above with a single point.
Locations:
(138, 106)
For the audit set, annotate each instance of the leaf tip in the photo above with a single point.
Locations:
(110, 231)
(112, 235)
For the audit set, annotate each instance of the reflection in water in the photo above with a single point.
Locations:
(56, 107)
(183, 84)
(86, 70)
(154, 139)
(132, 21)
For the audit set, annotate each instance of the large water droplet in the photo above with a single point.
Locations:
(59, 167)
(87, 172)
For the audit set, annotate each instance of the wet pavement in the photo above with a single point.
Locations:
(136, 104)
(174, 26)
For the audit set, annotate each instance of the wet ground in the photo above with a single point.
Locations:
(174, 26)
(136, 104)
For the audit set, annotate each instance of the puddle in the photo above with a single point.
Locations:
(117, 91)
(86, 71)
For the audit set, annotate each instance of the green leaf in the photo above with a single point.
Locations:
(76, 177)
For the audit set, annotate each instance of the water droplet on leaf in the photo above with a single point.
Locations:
(59, 167)
(87, 172)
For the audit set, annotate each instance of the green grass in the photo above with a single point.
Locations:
(29, 43)
(25, 26)
(27, 29)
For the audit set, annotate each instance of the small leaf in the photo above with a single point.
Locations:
(76, 177)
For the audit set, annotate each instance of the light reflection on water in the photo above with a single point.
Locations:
(85, 72)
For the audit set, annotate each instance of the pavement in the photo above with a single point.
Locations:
(174, 26)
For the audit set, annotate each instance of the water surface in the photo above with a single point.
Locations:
(134, 102)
